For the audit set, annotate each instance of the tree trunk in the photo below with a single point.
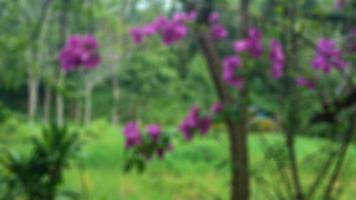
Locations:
(87, 102)
(47, 104)
(116, 97)
(33, 85)
(237, 133)
(60, 107)
(78, 111)
(293, 112)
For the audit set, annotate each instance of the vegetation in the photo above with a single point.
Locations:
(187, 99)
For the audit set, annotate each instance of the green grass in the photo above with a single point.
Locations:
(197, 170)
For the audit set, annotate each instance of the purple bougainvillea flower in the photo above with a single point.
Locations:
(205, 124)
(132, 135)
(186, 130)
(69, 59)
(327, 56)
(180, 17)
(160, 23)
(193, 122)
(218, 32)
(91, 60)
(137, 35)
(302, 81)
(174, 32)
(231, 65)
(149, 30)
(90, 42)
(339, 4)
(190, 123)
(214, 18)
(80, 50)
(183, 17)
(277, 57)
(252, 44)
(241, 46)
(171, 31)
(193, 117)
(154, 130)
(217, 107)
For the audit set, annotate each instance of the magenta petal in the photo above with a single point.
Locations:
(154, 130)
(137, 35)
(218, 32)
(240, 46)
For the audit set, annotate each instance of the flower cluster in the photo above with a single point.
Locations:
(217, 30)
(217, 108)
(328, 56)
(277, 57)
(170, 30)
(195, 121)
(252, 44)
(132, 135)
(80, 51)
(155, 142)
(305, 82)
(339, 4)
(230, 66)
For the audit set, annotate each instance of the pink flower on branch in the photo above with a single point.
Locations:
(217, 107)
(305, 82)
(154, 130)
(195, 121)
(218, 32)
(80, 50)
(214, 18)
(328, 56)
(277, 57)
(252, 44)
(137, 35)
(170, 30)
(132, 135)
(231, 65)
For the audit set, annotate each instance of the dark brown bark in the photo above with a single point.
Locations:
(237, 133)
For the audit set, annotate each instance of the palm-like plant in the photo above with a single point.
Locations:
(38, 175)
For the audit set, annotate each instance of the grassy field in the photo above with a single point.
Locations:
(196, 170)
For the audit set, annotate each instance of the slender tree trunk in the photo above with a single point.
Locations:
(237, 133)
(88, 102)
(60, 102)
(33, 86)
(47, 104)
(61, 78)
(293, 115)
(78, 111)
(116, 97)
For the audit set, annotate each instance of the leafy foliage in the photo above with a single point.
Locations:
(38, 175)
